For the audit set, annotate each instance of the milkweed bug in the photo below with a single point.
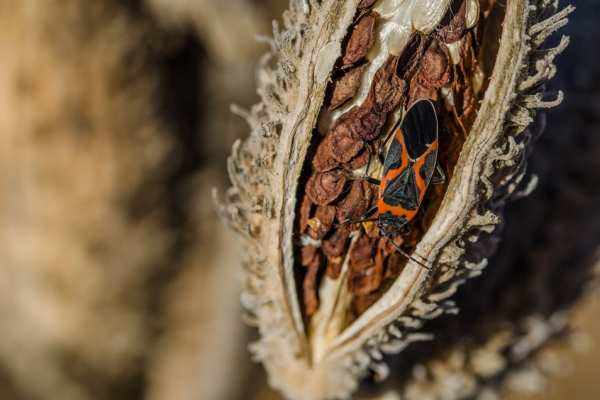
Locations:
(408, 169)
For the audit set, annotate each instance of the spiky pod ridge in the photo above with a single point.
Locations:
(265, 169)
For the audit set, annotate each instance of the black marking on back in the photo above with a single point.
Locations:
(393, 157)
(428, 167)
(402, 190)
(390, 224)
(420, 128)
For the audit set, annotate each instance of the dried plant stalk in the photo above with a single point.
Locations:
(486, 101)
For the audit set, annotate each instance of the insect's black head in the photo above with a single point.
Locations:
(390, 224)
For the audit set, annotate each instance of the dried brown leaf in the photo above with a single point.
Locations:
(361, 303)
(334, 267)
(308, 254)
(305, 211)
(362, 253)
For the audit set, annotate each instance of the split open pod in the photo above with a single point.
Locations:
(389, 137)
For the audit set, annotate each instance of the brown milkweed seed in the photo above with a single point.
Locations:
(346, 87)
(361, 40)
(324, 187)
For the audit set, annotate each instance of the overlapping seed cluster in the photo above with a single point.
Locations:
(438, 66)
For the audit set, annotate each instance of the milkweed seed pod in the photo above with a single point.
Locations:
(328, 291)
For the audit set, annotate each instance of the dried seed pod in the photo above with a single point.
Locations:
(485, 106)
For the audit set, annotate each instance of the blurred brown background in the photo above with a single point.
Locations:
(117, 281)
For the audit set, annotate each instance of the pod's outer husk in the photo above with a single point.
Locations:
(266, 167)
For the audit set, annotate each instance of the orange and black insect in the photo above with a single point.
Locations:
(408, 168)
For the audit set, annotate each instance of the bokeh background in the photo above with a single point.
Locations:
(117, 281)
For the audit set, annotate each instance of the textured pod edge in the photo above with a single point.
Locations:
(265, 168)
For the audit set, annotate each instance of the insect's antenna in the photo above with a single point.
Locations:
(408, 256)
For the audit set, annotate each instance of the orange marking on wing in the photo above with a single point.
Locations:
(421, 184)
(382, 206)
(399, 211)
(393, 173)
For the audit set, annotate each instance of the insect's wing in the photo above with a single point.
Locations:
(396, 154)
(420, 129)
(409, 165)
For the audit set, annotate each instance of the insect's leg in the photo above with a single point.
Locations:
(362, 218)
(355, 221)
(365, 176)
(408, 256)
(372, 180)
(405, 230)
(380, 150)
(440, 178)
(360, 221)
(370, 211)
(381, 146)
(388, 136)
